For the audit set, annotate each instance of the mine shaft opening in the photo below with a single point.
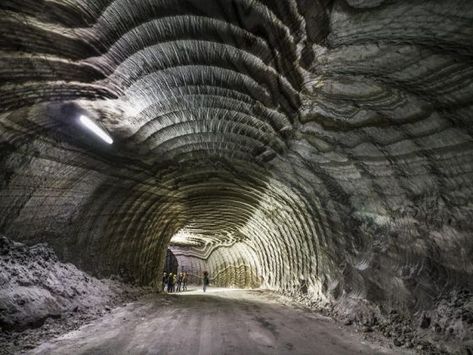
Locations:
(227, 261)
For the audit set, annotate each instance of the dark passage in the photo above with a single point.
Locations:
(171, 265)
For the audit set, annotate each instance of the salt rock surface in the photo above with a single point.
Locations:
(35, 285)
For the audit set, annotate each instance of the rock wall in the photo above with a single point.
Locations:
(233, 265)
(323, 146)
(35, 287)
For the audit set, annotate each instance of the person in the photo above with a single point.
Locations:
(184, 281)
(174, 282)
(165, 281)
(179, 282)
(206, 280)
(170, 283)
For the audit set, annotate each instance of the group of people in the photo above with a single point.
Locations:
(176, 282)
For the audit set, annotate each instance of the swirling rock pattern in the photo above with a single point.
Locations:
(323, 146)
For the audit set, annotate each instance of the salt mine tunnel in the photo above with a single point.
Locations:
(313, 151)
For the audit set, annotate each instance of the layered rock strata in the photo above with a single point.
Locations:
(323, 146)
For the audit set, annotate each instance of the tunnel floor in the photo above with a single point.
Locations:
(221, 321)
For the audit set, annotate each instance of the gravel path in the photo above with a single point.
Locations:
(217, 322)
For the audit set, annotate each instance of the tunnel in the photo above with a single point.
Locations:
(319, 150)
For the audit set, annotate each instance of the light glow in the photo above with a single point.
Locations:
(184, 237)
(91, 125)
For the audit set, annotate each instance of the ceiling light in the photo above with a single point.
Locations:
(91, 125)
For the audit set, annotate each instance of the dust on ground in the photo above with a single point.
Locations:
(41, 297)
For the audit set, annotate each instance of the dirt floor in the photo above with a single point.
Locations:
(221, 321)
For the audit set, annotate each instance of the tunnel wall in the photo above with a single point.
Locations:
(232, 265)
(190, 262)
(328, 142)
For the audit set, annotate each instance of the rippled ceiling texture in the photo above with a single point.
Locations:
(302, 145)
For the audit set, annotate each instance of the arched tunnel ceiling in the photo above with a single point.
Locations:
(325, 139)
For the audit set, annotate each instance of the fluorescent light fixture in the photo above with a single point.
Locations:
(91, 125)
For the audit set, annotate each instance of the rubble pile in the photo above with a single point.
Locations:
(42, 297)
